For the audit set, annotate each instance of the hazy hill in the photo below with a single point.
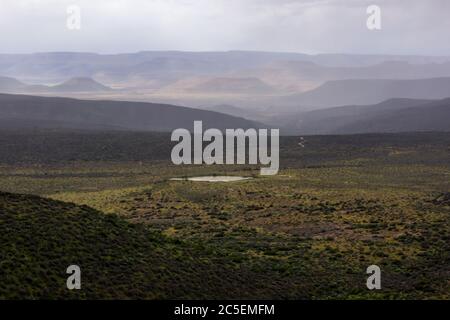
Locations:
(73, 85)
(365, 92)
(79, 64)
(232, 85)
(305, 70)
(135, 69)
(232, 110)
(50, 112)
(247, 79)
(79, 85)
(8, 84)
(395, 115)
(433, 116)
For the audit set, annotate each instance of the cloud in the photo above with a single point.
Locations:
(408, 27)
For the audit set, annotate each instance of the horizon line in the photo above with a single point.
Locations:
(229, 51)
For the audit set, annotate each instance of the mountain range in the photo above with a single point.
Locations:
(23, 111)
(155, 73)
(370, 91)
(73, 85)
(299, 93)
(394, 115)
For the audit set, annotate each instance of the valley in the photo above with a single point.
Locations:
(338, 205)
(224, 158)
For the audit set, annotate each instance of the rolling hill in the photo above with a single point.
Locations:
(232, 110)
(79, 84)
(232, 85)
(150, 64)
(52, 112)
(287, 73)
(394, 115)
(73, 85)
(40, 238)
(370, 91)
(8, 84)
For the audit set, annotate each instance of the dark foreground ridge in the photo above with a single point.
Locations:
(40, 238)
(23, 111)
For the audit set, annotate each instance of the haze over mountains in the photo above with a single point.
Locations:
(153, 73)
(61, 65)
(370, 91)
(394, 115)
(73, 85)
(296, 92)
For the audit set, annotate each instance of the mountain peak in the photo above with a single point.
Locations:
(81, 84)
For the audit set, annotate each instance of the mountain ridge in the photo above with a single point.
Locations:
(371, 91)
(76, 84)
(139, 116)
(393, 115)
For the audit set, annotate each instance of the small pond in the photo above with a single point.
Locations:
(213, 179)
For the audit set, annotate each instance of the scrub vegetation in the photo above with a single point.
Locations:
(105, 201)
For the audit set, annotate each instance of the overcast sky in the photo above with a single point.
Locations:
(309, 26)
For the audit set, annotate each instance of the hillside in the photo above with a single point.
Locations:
(79, 85)
(340, 204)
(232, 85)
(394, 115)
(360, 92)
(433, 116)
(235, 111)
(50, 112)
(40, 238)
(8, 84)
(73, 85)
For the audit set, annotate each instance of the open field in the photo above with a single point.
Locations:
(338, 205)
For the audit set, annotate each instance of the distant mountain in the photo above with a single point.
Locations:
(80, 84)
(158, 69)
(235, 111)
(78, 64)
(35, 230)
(311, 71)
(433, 116)
(52, 112)
(395, 115)
(247, 79)
(73, 85)
(365, 92)
(8, 84)
(232, 85)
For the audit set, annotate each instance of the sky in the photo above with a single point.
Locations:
(414, 27)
